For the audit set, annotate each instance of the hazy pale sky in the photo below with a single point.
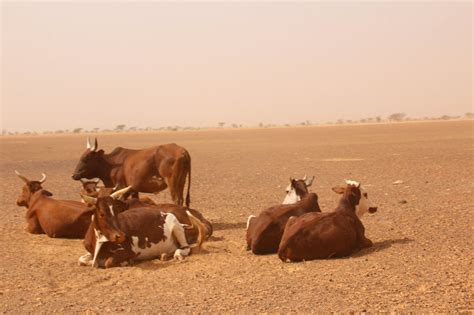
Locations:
(99, 64)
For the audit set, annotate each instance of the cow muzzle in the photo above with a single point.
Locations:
(76, 176)
(119, 238)
(372, 209)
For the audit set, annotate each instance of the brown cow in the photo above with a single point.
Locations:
(325, 235)
(148, 170)
(264, 231)
(56, 218)
(118, 237)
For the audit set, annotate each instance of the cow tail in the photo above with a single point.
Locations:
(201, 230)
(188, 195)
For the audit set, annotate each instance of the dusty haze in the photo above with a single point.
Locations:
(67, 65)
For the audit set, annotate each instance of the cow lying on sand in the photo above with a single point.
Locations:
(118, 237)
(91, 189)
(56, 218)
(325, 235)
(265, 230)
(148, 170)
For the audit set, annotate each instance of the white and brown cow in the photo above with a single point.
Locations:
(332, 234)
(120, 237)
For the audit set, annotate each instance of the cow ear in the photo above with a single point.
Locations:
(47, 193)
(309, 181)
(339, 189)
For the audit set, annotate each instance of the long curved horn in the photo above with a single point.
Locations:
(304, 178)
(89, 199)
(43, 179)
(94, 148)
(118, 194)
(88, 144)
(23, 178)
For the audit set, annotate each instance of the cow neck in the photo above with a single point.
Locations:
(309, 202)
(35, 197)
(301, 193)
(345, 205)
(106, 170)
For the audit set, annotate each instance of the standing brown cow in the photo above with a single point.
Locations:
(148, 170)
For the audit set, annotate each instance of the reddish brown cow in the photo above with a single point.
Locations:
(148, 170)
(117, 237)
(56, 218)
(264, 231)
(325, 235)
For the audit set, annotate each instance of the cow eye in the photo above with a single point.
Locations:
(366, 195)
(102, 215)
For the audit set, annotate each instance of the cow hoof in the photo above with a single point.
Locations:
(85, 260)
(164, 257)
(178, 257)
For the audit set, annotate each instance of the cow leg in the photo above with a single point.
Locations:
(33, 226)
(366, 243)
(121, 257)
(177, 231)
(174, 191)
(363, 242)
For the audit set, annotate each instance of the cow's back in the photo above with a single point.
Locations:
(146, 222)
(318, 236)
(63, 218)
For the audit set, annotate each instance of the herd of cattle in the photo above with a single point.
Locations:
(119, 226)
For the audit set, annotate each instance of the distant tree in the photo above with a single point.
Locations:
(340, 121)
(363, 120)
(4, 132)
(132, 129)
(397, 116)
(120, 128)
(445, 117)
(260, 125)
(221, 124)
(469, 115)
(235, 126)
(95, 130)
(378, 119)
(348, 121)
(77, 130)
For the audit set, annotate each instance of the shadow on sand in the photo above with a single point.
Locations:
(378, 246)
(229, 226)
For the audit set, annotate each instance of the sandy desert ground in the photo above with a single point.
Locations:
(422, 259)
